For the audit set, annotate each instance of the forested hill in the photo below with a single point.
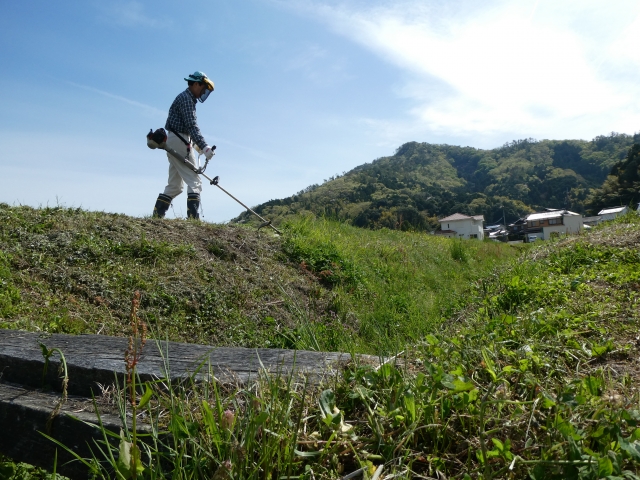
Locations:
(423, 182)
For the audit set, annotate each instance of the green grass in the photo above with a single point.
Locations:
(387, 287)
(536, 377)
(10, 470)
(527, 366)
(323, 285)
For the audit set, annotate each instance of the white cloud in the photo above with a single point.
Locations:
(550, 70)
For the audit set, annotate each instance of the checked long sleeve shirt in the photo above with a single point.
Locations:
(182, 118)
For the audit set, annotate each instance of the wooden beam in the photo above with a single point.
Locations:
(93, 359)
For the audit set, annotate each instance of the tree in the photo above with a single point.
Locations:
(622, 186)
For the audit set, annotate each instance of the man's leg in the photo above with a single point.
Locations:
(162, 205)
(174, 183)
(186, 174)
(173, 189)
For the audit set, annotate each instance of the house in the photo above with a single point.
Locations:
(591, 221)
(553, 222)
(495, 232)
(461, 226)
(611, 213)
(517, 229)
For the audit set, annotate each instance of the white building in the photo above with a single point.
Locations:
(611, 213)
(461, 226)
(561, 222)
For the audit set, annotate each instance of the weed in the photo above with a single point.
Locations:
(129, 459)
(458, 251)
(47, 354)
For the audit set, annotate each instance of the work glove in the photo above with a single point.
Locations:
(208, 152)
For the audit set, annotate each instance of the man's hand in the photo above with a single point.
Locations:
(208, 152)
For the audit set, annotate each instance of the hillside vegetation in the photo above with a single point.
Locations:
(622, 186)
(324, 285)
(423, 182)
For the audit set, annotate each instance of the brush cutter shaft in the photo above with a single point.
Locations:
(214, 181)
(265, 222)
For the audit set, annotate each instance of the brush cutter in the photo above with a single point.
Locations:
(158, 139)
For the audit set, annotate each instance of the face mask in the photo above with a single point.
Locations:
(204, 95)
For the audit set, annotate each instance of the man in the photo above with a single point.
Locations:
(182, 131)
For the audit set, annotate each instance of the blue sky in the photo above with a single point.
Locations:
(304, 89)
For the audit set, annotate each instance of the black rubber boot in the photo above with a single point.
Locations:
(162, 205)
(193, 205)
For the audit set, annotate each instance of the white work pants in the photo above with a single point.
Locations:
(179, 172)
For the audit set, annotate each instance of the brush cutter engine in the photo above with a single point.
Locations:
(157, 139)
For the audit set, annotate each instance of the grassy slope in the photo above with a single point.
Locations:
(324, 285)
(535, 375)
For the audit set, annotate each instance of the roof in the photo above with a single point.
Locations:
(591, 219)
(444, 232)
(608, 211)
(553, 214)
(459, 216)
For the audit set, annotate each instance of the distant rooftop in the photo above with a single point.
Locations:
(552, 214)
(608, 211)
(459, 216)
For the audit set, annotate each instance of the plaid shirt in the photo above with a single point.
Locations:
(182, 118)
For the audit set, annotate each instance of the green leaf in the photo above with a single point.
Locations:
(306, 454)
(605, 467)
(599, 350)
(499, 445)
(410, 405)
(593, 385)
(432, 339)
(327, 403)
(632, 449)
(490, 366)
(471, 395)
(146, 397)
(124, 456)
(458, 385)
(208, 418)
(260, 419)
